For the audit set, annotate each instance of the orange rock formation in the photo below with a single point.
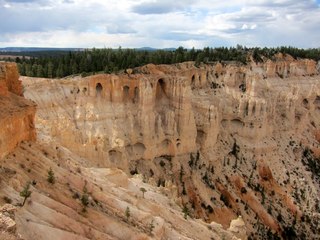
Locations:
(16, 113)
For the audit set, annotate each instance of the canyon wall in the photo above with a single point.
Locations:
(16, 114)
(175, 110)
(80, 201)
(228, 139)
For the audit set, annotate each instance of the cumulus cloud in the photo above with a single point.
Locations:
(22, 1)
(159, 23)
(161, 6)
(120, 29)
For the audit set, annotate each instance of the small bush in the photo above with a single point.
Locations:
(186, 212)
(143, 190)
(127, 213)
(51, 178)
(243, 190)
(85, 202)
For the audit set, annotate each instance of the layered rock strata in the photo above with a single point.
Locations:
(82, 201)
(230, 139)
(16, 113)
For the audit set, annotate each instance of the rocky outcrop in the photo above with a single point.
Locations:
(16, 114)
(238, 228)
(7, 222)
(8, 225)
(9, 79)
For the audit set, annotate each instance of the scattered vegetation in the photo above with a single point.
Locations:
(151, 227)
(127, 213)
(25, 193)
(311, 163)
(85, 199)
(52, 64)
(51, 178)
(143, 190)
(186, 212)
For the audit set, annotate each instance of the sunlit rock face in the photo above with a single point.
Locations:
(174, 110)
(230, 138)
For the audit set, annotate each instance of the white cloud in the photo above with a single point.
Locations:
(155, 23)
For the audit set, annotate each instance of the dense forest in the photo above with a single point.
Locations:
(57, 64)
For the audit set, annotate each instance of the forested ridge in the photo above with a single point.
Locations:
(57, 64)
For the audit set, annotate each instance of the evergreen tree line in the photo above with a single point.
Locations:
(90, 61)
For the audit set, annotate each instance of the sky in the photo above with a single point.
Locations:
(159, 23)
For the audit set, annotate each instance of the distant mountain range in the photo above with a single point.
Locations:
(41, 49)
(36, 49)
(154, 49)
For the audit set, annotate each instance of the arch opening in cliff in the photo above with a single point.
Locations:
(135, 151)
(193, 81)
(125, 96)
(139, 149)
(243, 87)
(136, 95)
(115, 156)
(162, 102)
(254, 109)
(99, 89)
(237, 123)
(178, 143)
(199, 80)
(246, 109)
(161, 90)
(305, 103)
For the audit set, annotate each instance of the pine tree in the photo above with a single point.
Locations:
(50, 70)
(25, 193)
(39, 71)
(143, 190)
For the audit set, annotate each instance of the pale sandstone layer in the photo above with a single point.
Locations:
(225, 139)
(54, 211)
(212, 130)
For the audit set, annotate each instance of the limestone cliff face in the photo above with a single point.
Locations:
(112, 119)
(16, 114)
(174, 110)
(229, 137)
(116, 206)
